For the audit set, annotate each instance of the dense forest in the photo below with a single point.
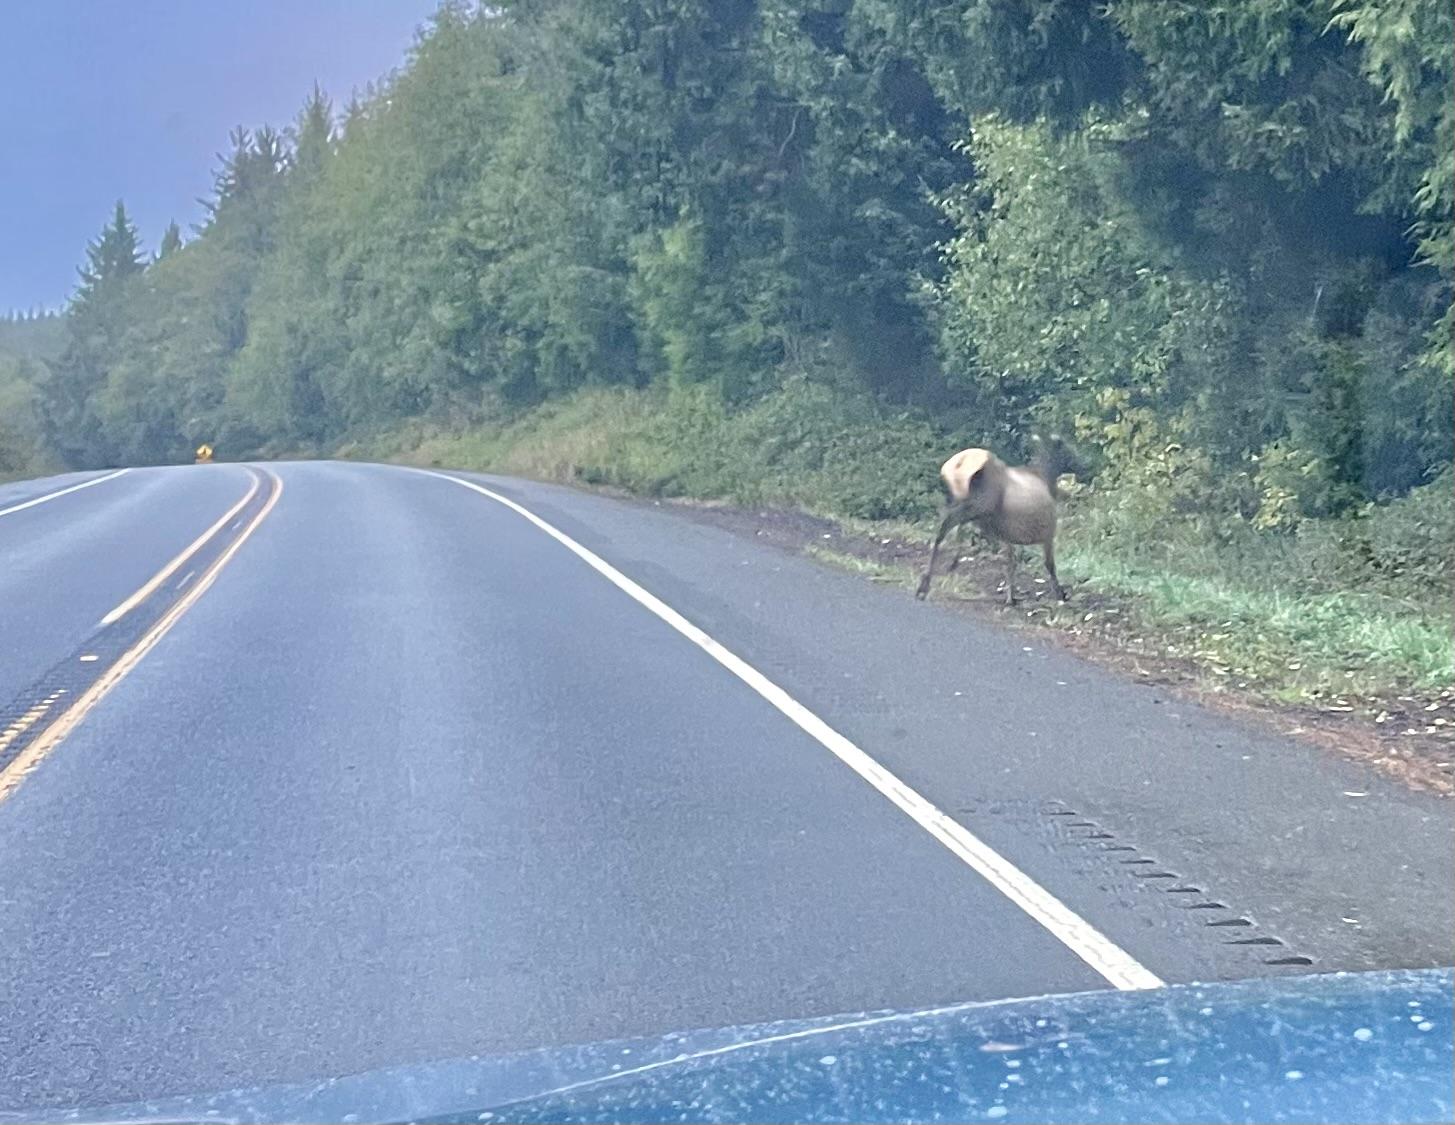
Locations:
(1211, 239)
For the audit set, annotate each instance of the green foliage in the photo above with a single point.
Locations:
(1408, 55)
(21, 449)
(865, 143)
(1289, 481)
(829, 243)
(34, 335)
(803, 444)
(28, 342)
(1255, 85)
(96, 322)
(1057, 309)
(1246, 615)
(111, 258)
(832, 452)
(1028, 59)
(1061, 306)
(1412, 539)
(705, 330)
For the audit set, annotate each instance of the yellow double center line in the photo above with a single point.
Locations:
(172, 567)
(67, 721)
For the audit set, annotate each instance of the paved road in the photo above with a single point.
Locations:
(412, 780)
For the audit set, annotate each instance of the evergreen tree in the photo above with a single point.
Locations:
(112, 257)
(171, 241)
(96, 319)
(313, 135)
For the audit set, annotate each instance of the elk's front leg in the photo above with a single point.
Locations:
(954, 516)
(959, 548)
(1010, 550)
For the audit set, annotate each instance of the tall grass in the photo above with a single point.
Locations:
(803, 445)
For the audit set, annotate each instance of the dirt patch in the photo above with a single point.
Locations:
(1409, 737)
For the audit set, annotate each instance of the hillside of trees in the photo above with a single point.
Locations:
(1212, 240)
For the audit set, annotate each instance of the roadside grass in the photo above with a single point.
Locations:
(1255, 633)
(1341, 615)
(1343, 610)
(1336, 651)
(869, 568)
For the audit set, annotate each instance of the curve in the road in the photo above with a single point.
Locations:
(1119, 967)
(31, 503)
(188, 552)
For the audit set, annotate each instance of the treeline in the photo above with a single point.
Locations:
(27, 340)
(1213, 240)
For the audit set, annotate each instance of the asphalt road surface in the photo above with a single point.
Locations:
(383, 771)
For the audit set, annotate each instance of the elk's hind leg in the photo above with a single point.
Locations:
(1010, 552)
(1050, 551)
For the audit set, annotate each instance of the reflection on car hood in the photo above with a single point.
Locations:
(1345, 1046)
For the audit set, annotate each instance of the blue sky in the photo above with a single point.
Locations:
(132, 99)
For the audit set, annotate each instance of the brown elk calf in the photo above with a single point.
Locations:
(1015, 504)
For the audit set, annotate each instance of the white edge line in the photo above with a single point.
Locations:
(1118, 966)
(196, 545)
(62, 492)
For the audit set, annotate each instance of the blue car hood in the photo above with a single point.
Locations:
(1337, 1047)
